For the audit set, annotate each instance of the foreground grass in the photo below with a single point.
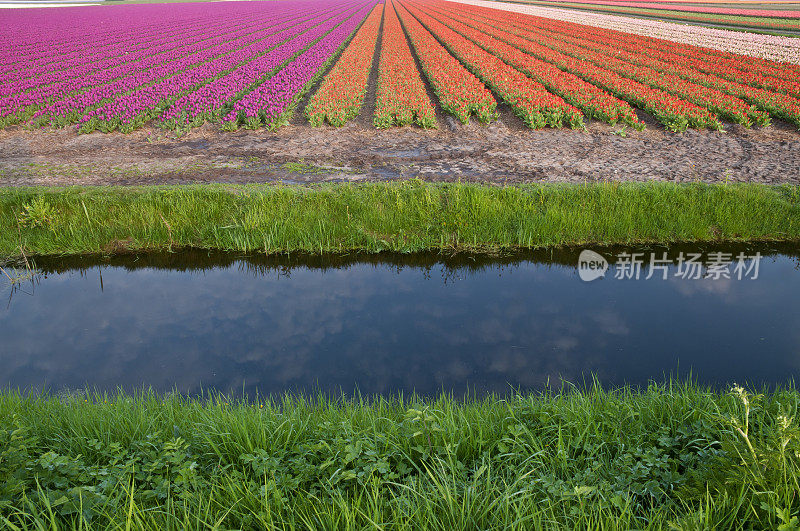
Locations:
(401, 216)
(674, 455)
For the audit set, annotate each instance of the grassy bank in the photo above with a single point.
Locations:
(398, 216)
(671, 455)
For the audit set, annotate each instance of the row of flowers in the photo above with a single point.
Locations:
(271, 103)
(592, 100)
(38, 71)
(401, 95)
(127, 95)
(777, 104)
(72, 95)
(529, 99)
(675, 113)
(744, 45)
(742, 69)
(342, 92)
(65, 102)
(670, 71)
(459, 92)
(736, 20)
(213, 100)
(76, 34)
(133, 108)
(777, 13)
(539, 42)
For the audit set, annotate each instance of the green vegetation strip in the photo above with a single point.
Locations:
(673, 456)
(401, 216)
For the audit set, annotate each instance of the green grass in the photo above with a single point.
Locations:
(671, 456)
(402, 216)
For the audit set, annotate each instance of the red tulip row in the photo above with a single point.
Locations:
(542, 45)
(529, 99)
(460, 93)
(779, 77)
(402, 98)
(758, 72)
(675, 113)
(593, 101)
(342, 92)
(777, 104)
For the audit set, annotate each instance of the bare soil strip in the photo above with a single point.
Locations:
(501, 152)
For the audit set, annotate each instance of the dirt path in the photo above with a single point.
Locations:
(503, 152)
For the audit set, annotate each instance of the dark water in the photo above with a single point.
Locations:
(392, 323)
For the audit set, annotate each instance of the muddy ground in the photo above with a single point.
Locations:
(502, 152)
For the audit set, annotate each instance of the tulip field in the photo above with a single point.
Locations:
(257, 65)
(780, 20)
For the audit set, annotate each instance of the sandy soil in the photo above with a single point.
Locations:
(502, 152)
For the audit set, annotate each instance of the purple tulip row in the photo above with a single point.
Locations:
(206, 102)
(171, 70)
(120, 66)
(34, 64)
(90, 29)
(271, 99)
(75, 93)
(131, 107)
(43, 78)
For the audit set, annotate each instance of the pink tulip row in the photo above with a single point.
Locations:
(776, 13)
(755, 46)
(36, 72)
(206, 103)
(271, 99)
(169, 72)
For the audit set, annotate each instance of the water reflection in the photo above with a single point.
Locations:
(391, 323)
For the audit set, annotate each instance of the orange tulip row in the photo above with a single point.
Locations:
(543, 45)
(529, 99)
(341, 94)
(636, 57)
(402, 98)
(460, 92)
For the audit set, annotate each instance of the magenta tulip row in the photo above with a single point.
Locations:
(105, 66)
(207, 101)
(119, 67)
(77, 93)
(68, 56)
(166, 86)
(90, 30)
(169, 72)
(271, 99)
